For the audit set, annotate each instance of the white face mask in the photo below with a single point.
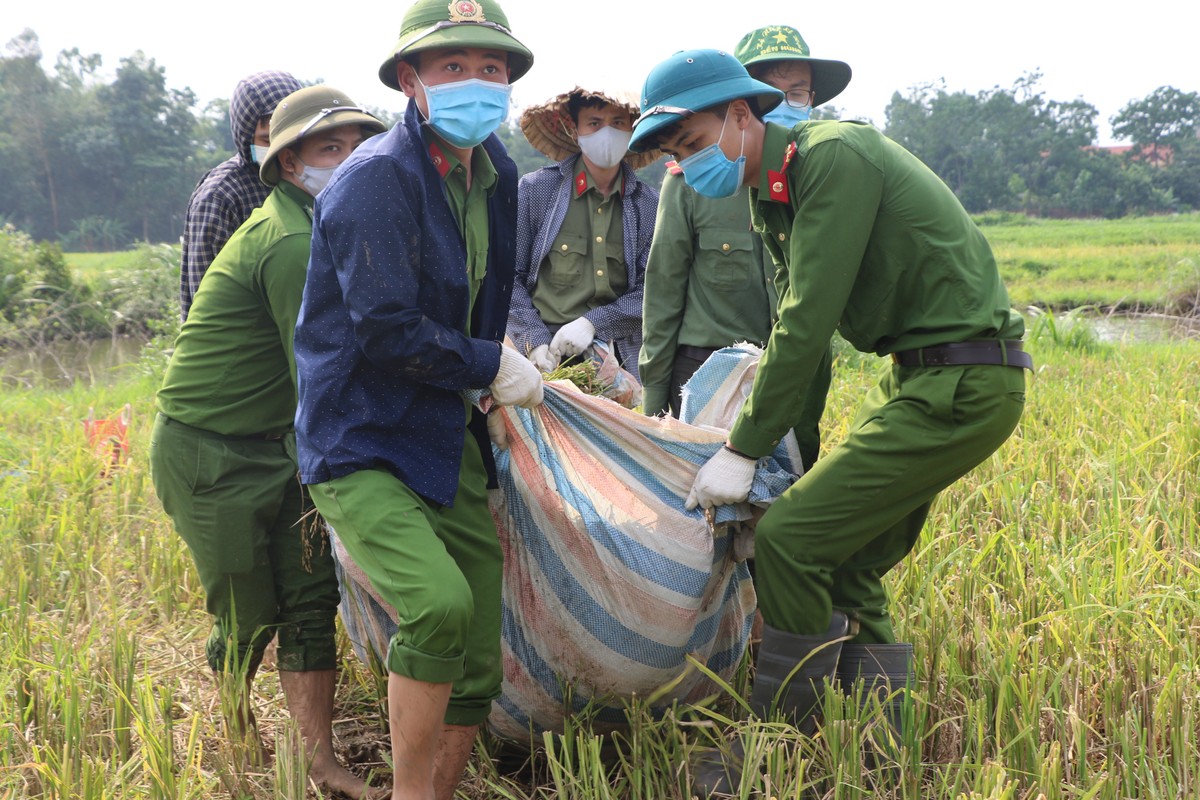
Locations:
(313, 179)
(606, 147)
(258, 153)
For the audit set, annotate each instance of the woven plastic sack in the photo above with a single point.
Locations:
(609, 583)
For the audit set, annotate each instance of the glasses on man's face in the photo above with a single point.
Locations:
(800, 98)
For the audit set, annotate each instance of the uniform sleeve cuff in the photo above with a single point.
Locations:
(655, 399)
(749, 439)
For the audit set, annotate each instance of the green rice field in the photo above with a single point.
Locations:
(1052, 601)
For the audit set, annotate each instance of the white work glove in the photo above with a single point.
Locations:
(725, 478)
(573, 338)
(540, 357)
(518, 382)
(496, 430)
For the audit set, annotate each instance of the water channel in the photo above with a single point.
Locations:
(98, 362)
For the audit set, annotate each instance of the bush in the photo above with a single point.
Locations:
(41, 301)
(138, 297)
(17, 266)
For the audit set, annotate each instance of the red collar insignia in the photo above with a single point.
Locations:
(777, 183)
(580, 183)
(440, 162)
(674, 168)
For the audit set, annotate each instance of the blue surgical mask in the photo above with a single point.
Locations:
(258, 153)
(711, 173)
(787, 115)
(464, 113)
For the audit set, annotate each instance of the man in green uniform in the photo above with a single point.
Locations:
(222, 453)
(708, 284)
(878, 248)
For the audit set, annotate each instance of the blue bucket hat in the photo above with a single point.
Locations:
(691, 81)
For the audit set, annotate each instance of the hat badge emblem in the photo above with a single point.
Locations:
(465, 11)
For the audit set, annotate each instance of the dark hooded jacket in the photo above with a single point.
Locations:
(225, 196)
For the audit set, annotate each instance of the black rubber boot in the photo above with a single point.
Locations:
(809, 661)
(803, 663)
(879, 673)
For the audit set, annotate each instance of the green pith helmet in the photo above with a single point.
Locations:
(458, 23)
(781, 43)
(691, 81)
(305, 112)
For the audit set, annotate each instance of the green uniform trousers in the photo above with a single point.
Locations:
(238, 503)
(440, 567)
(829, 539)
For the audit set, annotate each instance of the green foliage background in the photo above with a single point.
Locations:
(95, 164)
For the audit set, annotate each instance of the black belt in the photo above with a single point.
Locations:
(695, 353)
(994, 352)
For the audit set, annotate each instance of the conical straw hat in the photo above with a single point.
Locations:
(548, 128)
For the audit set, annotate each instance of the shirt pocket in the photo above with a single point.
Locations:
(566, 261)
(725, 259)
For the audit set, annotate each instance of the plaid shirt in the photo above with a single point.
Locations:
(225, 196)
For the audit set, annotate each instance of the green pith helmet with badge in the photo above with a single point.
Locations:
(305, 112)
(430, 24)
(782, 43)
(691, 81)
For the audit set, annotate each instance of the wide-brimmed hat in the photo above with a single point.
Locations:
(308, 111)
(691, 81)
(548, 126)
(429, 24)
(783, 43)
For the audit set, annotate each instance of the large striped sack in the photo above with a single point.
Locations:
(611, 587)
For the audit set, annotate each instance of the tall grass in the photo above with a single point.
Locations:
(1052, 601)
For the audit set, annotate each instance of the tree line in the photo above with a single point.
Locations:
(96, 164)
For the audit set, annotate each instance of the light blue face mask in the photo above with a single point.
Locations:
(711, 173)
(787, 115)
(464, 113)
(258, 153)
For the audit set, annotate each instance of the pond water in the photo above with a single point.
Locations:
(1131, 328)
(100, 362)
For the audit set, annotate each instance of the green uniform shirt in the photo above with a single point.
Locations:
(876, 247)
(706, 284)
(468, 204)
(233, 369)
(585, 267)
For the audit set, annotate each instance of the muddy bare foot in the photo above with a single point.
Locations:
(333, 777)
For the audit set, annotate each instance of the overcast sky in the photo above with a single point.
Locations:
(1106, 58)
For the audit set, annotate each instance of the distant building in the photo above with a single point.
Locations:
(1160, 155)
